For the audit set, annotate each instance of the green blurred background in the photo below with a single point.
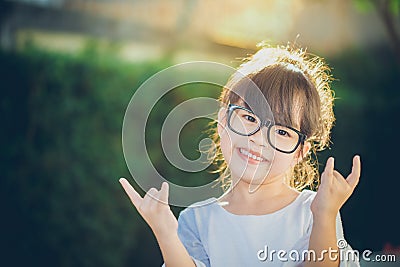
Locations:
(69, 68)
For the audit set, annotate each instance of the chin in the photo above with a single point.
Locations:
(252, 179)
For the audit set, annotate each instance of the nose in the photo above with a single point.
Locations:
(260, 137)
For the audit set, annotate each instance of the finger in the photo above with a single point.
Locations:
(330, 165)
(150, 198)
(327, 175)
(164, 193)
(134, 196)
(354, 176)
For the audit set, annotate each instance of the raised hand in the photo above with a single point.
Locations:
(154, 208)
(334, 189)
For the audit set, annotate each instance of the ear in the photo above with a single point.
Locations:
(221, 120)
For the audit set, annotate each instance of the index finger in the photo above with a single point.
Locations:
(330, 165)
(354, 176)
(134, 196)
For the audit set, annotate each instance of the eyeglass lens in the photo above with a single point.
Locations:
(279, 137)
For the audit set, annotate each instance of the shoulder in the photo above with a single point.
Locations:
(302, 205)
(197, 210)
(305, 198)
(307, 195)
(196, 217)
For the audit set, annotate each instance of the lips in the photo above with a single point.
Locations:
(251, 156)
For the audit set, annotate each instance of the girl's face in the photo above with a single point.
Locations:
(270, 165)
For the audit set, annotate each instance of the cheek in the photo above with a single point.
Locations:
(282, 162)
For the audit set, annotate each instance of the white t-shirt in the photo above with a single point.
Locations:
(215, 237)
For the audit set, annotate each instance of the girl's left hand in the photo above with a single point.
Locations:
(334, 189)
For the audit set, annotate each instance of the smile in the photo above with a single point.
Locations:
(251, 156)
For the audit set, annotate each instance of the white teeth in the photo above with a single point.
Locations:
(247, 153)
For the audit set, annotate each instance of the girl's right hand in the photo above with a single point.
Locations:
(154, 209)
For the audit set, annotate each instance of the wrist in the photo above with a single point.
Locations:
(166, 236)
(324, 212)
(324, 217)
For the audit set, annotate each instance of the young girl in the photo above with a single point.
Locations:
(266, 217)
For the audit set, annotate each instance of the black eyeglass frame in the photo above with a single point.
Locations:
(268, 124)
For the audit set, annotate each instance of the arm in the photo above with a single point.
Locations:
(173, 252)
(332, 194)
(156, 212)
(322, 240)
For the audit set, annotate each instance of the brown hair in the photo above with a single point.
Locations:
(296, 85)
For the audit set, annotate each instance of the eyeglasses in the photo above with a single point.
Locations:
(282, 138)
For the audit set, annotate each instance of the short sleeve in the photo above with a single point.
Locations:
(189, 235)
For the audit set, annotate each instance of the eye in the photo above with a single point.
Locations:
(282, 132)
(250, 118)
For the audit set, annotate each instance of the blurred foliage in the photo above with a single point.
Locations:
(62, 156)
(388, 11)
(369, 5)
